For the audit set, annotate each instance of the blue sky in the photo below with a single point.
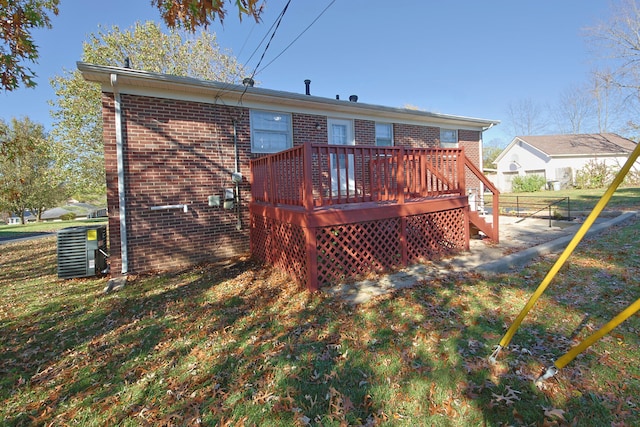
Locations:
(461, 57)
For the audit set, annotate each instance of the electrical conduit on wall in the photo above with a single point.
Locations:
(120, 166)
(237, 180)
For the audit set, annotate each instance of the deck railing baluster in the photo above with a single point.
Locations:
(317, 175)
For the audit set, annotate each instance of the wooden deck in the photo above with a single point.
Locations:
(328, 213)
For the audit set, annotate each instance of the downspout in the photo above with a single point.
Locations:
(120, 165)
(237, 171)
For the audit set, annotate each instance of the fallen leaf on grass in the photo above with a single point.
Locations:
(554, 413)
(508, 397)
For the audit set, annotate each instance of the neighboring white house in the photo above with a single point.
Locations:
(558, 157)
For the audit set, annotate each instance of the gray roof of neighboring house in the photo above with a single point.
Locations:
(54, 213)
(605, 144)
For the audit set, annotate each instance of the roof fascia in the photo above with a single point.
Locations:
(138, 82)
(534, 147)
(506, 149)
(588, 155)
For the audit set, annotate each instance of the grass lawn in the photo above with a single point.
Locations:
(24, 230)
(579, 202)
(235, 343)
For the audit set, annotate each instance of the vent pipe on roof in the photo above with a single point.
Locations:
(338, 97)
(127, 62)
(353, 98)
(307, 87)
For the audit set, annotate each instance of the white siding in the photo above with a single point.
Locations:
(520, 158)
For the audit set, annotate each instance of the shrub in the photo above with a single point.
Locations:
(594, 174)
(68, 216)
(632, 178)
(527, 183)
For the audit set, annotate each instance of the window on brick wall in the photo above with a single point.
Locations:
(270, 131)
(384, 134)
(448, 138)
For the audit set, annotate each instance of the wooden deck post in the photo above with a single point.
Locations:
(462, 185)
(307, 178)
(404, 245)
(467, 228)
(312, 259)
(496, 217)
(271, 198)
(400, 178)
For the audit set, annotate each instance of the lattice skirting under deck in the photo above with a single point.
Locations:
(353, 250)
(281, 245)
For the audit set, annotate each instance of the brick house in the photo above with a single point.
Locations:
(184, 178)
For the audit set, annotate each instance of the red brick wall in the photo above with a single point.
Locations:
(416, 136)
(365, 132)
(470, 141)
(179, 152)
(304, 129)
(176, 153)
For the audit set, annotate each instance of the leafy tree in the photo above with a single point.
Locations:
(30, 174)
(191, 14)
(489, 155)
(77, 111)
(19, 17)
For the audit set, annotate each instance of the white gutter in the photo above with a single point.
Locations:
(140, 82)
(120, 164)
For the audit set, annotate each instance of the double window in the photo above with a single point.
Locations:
(270, 131)
(448, 138)
(384, 135)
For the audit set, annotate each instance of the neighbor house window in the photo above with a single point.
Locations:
(448, 138)
(270, 131)
(384, 135)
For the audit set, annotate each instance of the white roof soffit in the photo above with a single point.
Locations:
(188, 88)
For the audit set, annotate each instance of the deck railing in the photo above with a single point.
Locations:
(317, 175)
(492, 230)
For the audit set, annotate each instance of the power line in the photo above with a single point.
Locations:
(277, 25)
(261, 41)
(279, 20)
(247, 39)
(297, 37)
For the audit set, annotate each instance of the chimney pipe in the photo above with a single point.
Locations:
(353, 98)
(338, 97)
(307, 87)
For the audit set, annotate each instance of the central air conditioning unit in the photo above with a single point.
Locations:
(82, 251)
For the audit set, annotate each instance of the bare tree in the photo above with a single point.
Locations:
(525, 117)
(575, 110)
(618, 42)
(603, 92)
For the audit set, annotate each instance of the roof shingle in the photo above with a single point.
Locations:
(580, 144)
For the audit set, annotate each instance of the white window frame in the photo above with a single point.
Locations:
(380, 139)
(448, 138)
(256, 131)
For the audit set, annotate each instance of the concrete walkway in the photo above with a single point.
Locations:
(521, 241)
